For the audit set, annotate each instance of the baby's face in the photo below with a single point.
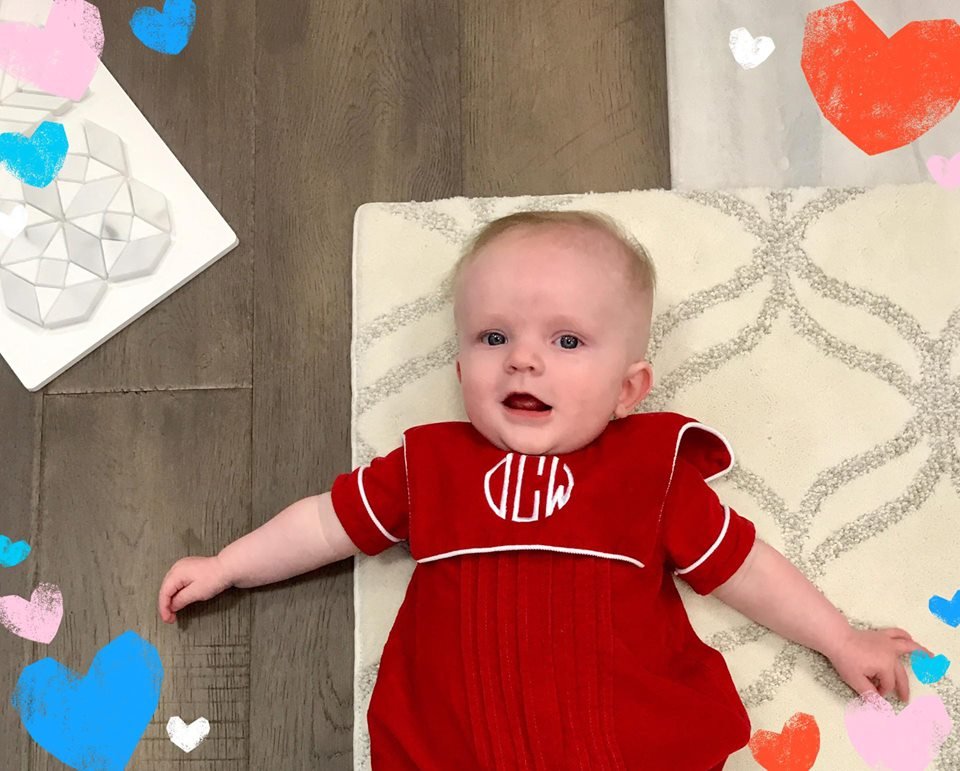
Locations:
(546, 312)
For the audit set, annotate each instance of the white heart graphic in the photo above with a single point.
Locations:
(748, 50)
(187, 737)
(12, 224)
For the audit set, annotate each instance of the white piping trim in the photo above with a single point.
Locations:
(721, 437)
(676, 452)
(363, 495)
(406, 476)
(533, 547)
(712, 549)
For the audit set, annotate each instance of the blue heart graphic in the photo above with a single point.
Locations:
(12, 553)
(167, 31)
(929, 669)
(95, 721)
(947, 611)
(38, 159)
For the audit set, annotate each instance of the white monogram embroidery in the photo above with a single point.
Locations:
(556, 495)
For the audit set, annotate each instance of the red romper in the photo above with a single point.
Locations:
(541, 628)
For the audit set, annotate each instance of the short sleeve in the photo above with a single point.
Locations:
(705, 542)
(371, 503)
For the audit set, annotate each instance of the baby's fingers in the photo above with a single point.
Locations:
(172, 583)
(897, 632)
(888, 680)
(163, 606)
(908, 646)
(861, 684)
(906, 640)
(903, 683)
(190, 593)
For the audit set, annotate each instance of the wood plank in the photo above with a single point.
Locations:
(355, 103)
(20, 434)
(131, 483)
(201, 103)
(563, 97)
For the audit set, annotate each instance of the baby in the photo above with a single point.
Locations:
(541, 628)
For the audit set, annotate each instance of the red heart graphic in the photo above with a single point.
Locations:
(794, 749)
(881, 93)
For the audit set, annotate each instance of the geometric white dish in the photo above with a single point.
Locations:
(121, 227)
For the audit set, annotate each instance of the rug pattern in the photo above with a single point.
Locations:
(816, 328)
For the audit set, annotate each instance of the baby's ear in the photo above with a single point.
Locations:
(637, 383)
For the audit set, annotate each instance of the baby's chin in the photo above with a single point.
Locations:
(547, 445)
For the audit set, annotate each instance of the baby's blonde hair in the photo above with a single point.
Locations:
(641, 272)
(640, 268)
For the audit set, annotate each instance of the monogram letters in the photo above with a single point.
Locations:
(556, 495)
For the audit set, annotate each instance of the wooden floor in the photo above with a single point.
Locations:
(231, 398)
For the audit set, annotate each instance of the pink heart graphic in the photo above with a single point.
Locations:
(37, 620)
(946, 171)
(60, 57)
(905, 742)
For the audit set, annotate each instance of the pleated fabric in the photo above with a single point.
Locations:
(537, 636)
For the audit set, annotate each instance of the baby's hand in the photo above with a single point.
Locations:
(189, 580)
(866, 656)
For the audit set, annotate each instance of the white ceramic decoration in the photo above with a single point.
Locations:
(93, 225)
(121, 227)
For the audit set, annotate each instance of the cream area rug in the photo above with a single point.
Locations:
(817, 329)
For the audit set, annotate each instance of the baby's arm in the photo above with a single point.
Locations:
(769, 589)
(304, 536)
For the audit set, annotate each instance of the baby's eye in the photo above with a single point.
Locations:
(576, 343)
(485, 335)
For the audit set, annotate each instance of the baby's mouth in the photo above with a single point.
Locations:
(525, 401)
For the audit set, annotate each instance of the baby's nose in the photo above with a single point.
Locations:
(524, 357)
